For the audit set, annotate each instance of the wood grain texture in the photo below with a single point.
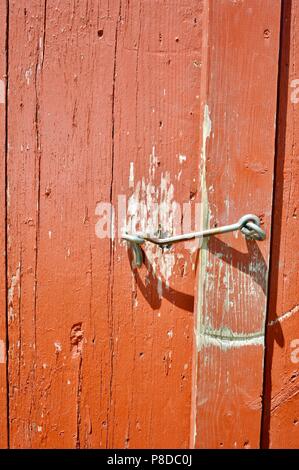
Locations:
(3, 326)
(238, 136)
(147, 103)
(103, 101)
(281, 394)
(156, 154)
(60, 152)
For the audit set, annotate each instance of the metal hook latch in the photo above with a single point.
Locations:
(249, 225)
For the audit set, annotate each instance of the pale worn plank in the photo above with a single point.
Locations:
(238, 136)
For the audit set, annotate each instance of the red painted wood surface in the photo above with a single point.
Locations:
(99, 355)
(156, 115)
(147, 102)
(239, 107)
(281, 398)
(3, 326)
(60, 105)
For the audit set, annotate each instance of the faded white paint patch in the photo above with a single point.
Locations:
(182, 159)
(131, 175)
(295, 93)
(58, 347)
(205, 222)
(28, 74)
(224, 338)
(15, 281)
(153, 163)
(2, 92)
(2, 352)
(202, 401)
(151, 206)
(153, 210)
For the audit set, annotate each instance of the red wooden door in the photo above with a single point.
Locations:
(123, 115)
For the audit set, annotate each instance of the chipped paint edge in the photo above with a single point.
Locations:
(205, 222)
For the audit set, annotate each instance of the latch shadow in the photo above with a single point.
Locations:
(252, 262)
(156, 289)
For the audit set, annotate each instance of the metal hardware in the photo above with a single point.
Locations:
(249, 225)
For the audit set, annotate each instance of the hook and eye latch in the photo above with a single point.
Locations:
(249, 225)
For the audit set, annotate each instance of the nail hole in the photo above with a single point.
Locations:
(100, 33)
(266, 34)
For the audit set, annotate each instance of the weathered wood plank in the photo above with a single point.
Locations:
(100, 356)
(281, 393)
(3, 329)
(157, 108)
(238, 135)
(60, 152)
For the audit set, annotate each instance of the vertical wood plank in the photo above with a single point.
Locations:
(238, 135)
(281, 397)
(59, 166)
(107, 99)
(156, 156)
(3, 326)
